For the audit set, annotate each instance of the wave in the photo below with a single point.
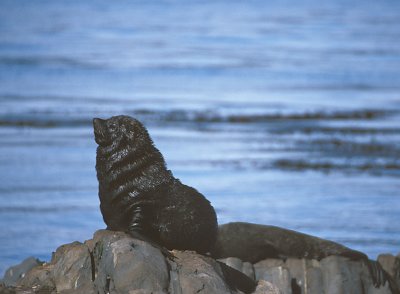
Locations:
(45, 209)
(47, 61)
(44, 123)
(43, 189)
(49, 119)
(341, 146)
(210, 116)
(345, 130)
(300, 165)
(373, 167)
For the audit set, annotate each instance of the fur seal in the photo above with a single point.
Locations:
(254, 242)
(140, 196)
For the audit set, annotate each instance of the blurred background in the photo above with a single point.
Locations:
(280, 112)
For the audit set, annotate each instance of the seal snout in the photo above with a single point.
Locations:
(97, 122)
(100, 130)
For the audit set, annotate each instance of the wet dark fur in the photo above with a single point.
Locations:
(253, 242)
(140, 196)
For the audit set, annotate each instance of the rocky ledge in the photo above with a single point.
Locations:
(113, 262)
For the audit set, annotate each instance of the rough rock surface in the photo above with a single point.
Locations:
(391, 264)
(113, 262)
(332, 275)
(15, 273)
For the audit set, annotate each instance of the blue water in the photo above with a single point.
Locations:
(280, 112)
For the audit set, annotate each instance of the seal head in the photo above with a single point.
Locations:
(117, 128)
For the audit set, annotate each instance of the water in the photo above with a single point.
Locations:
(280, 112)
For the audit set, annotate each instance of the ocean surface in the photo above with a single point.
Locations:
(281, 112)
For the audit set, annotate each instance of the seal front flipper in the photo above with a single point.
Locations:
(137, 227)
(237, 280)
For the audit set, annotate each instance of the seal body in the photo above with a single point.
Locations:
(254, 242)
(140, 196)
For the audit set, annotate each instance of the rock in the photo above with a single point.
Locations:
(123, 264)
(72, 268)
(314, 280)
(391, 264)
(244, 267)
(248, 270)
(298, 273)
(69, 270)
(334, 274)
(234, 262)
(279, 276)
(15, 273)
(143, 291)
(6, 289)
(265, 287)
(113, 262)
(339, 275)
(38, 277)
(196, 274)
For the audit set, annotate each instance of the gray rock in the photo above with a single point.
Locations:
(298, 272)
(123, 264)
(391, 264)
(263, 265)
(6, 289)
(314, 281)
(69, 270)
(39, 277)
(245, 267)
(144, 291)
(72, 268)
(233, 262)
(265, 287)
(248, 269)
(279, 276)
(113, 262)
(340, 275)
(331, 275)
(197, 274)
(17, 272)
